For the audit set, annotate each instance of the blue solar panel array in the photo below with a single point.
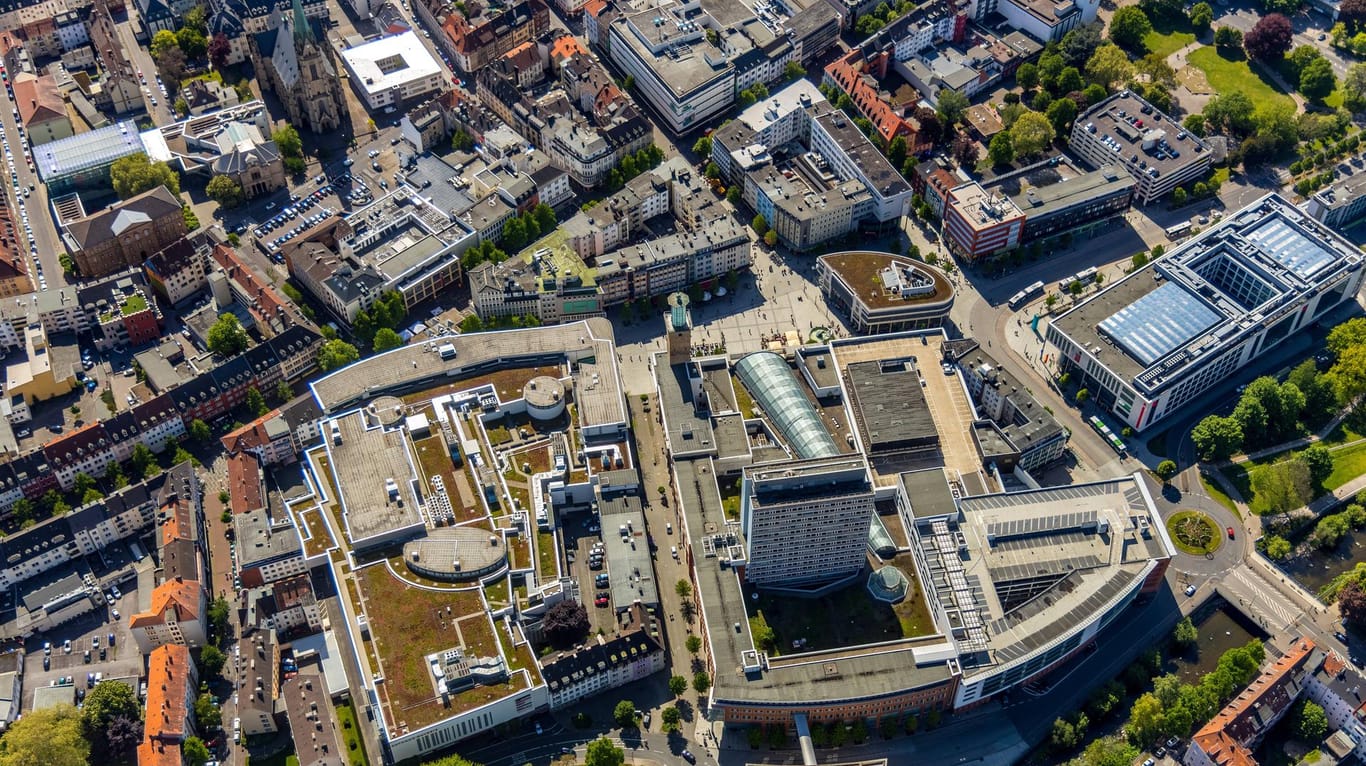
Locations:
(1290, 248)
(1159, 322)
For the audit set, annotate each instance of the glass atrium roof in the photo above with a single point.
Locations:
(1289, 247)
(1159, 322)
(776, 389)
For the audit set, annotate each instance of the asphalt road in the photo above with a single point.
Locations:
(44, 231)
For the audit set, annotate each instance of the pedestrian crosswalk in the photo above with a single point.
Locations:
(1251, 593)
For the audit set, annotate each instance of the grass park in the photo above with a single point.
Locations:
(1347, 447)
(1227, 73)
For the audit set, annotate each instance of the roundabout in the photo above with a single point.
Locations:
(1194, 532)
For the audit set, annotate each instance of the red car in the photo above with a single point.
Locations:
(1229, 530)
(600, 601)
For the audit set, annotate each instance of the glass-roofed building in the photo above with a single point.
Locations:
(777, 391)
(1153, 341)
(83, 160)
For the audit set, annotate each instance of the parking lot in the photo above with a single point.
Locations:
(90, 651)
(306, 209)
(582, 535)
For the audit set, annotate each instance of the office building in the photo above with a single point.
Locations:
(1128, 132)
(689, 66)
(1341, 205)
(807, 169)
(980, 223)
(1161, 336)
(1078, 202)
(1095, 547)
(391, 72)
(881, 293)
(806, 521)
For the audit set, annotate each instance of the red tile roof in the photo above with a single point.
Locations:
(851, 74)
(244, 483)
(38, 99)
(270, 304)
(169, 685)
(1224, 738)
(154, 752)
(179, 594)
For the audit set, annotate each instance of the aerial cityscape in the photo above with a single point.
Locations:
(728, 382)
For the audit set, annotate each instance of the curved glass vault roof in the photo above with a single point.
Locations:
(776, 389)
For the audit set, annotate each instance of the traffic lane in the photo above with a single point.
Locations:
(44, 230)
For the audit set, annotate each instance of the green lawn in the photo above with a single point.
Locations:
(351, 735)
(1193, 532)
(1218, 495)
(1227, 75)
(1166, 38)
(1348, 463)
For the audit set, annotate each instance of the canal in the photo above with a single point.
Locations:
(1221, 627)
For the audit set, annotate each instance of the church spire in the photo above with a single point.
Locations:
(303, 31)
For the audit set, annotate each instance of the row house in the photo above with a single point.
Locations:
(607, 664)
(289, 607)
(86, 450)
(278, 436)
(172, 685)
(128, 512)
(178, 615)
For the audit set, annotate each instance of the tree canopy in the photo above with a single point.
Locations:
(1129, 26)
(225, 191)
(47, 737)
(135, 174)
(336, 353)
(227, 336)
(1269, 39)
(1031, 134)
(566, 623)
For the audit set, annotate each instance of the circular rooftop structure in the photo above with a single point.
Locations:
(456, 554)
(882, 292)
(388, 410)
(544, 397)
(888, 584)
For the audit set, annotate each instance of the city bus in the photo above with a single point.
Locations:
(1019, 299)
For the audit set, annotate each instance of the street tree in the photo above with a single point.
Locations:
(335, 354)
(386, 339)
(601, 752)
(1166, 470)
(625, 714)
(677, 685)
(200, 431)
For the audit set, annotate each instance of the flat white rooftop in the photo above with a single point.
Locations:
(389, 62)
